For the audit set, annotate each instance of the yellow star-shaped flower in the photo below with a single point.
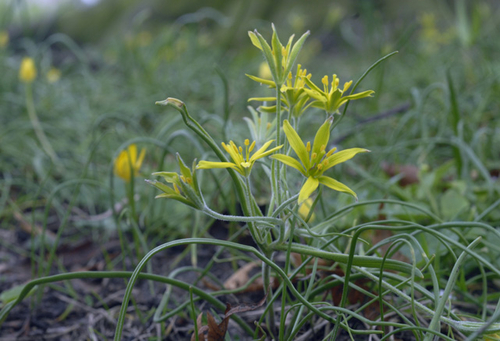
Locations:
(331, 99)
(313, 162)
(241, 164)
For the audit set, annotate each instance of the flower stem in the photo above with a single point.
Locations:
(35, 122)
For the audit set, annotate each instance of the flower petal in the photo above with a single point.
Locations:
(310, 186)
(313, 86)
(296, 143)
(336, 185)
(367, 93)
(132, 153)
(262, 99)
(268, 110)
(255, 40)
(138, 162)
(262, 81)
(322, 137)
(170, 177)
(269, 152)
(343, 156)
(290, 161)
(210, 164)
(261, 150)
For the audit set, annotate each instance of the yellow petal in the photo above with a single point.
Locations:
(308, 188)
(322, 137)
(343, 156)
(296, 143)
(257, 154)
(262, 81)
(336, 185)
(211, 164)
(138, 163)
(290, 161)
(27, 70)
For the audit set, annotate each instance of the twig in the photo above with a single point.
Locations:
(391, 112)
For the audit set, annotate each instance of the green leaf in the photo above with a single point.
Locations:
(13, 293)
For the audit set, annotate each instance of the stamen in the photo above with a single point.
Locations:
(241, 150)
(325, 81)
(322, 148)
(331, 152)
(176, 189)
(308, 147)
(247, 142)
(252, 146)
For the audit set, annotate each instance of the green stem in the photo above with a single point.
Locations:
(117, 274)
(268, 291)
(37, 126)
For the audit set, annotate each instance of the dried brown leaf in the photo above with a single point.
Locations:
(240, 277)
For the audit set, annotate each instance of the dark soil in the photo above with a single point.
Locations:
(87, 309)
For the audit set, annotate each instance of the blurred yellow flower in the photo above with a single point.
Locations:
(4, 38)
(305, 208)
(127, 161)
(265, 71)
(53, 75)
(27, 71)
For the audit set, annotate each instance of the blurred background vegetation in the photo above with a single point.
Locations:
(432, 123)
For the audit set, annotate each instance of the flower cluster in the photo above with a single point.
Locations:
(295, 94)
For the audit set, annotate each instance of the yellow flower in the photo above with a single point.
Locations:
(241, 164)
(127, 161)
(264, 71)
(53, 75)
(279, 58)
(331, 99)
(4, 39)
(293, 95)
(315, 161)
(27, 71)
